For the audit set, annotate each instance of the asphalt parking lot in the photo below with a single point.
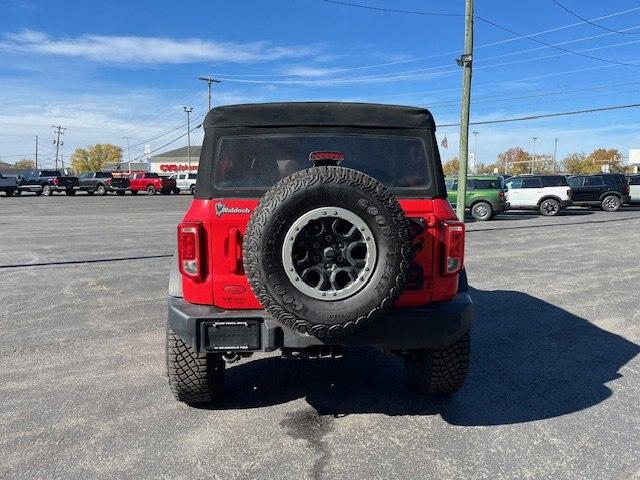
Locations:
(553, 391)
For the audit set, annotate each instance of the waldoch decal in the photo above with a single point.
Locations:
(221, 208)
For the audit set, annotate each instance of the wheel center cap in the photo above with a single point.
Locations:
(329, 253)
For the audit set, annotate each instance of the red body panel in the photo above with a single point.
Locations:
(139, 183)
(225, 285)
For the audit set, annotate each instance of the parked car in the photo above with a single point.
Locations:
(607, 190)
(546, 193)
(151, 183)
(46, 182)
(8, 185)
(634, 188)
(485, 196)
(185, 182)
(120, 184)
(96, 182)
(329, 227)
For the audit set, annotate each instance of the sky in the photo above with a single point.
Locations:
(110, 70)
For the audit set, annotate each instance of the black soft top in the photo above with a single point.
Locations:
(341, 114)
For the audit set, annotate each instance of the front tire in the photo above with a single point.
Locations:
(101, 190)
(439, 371)
(549, 207)
(151, 190)
(611, 203)
(194, 378)
(46, 190)
(482, 211)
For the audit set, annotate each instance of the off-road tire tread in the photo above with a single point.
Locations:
(444, 370)
(302, 180)
(194, 378)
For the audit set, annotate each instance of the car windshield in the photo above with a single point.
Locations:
(259, 161)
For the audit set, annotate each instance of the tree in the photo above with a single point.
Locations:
(592, 163)
(451, 166)
(95, 157)
(25, 163)
(515, 159)
(484, 169)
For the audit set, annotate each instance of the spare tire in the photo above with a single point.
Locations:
(327, 250)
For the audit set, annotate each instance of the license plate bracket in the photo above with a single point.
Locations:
(231, 335)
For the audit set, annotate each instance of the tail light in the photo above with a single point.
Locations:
(190, 250)
(453, 240)
(55, 181)
(501, 195)
(626, 190)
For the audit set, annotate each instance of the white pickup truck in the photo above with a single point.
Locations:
(185, 182)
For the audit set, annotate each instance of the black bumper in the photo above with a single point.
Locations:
(432, 326)
(565, 203)
(500, 207)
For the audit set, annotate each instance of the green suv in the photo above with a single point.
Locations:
(485, 195)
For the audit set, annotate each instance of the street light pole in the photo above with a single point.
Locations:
(533, 159)
(465, 62)
(188, 110)
(555, 150)
(209, 79)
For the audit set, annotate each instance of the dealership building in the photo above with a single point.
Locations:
(175, 161)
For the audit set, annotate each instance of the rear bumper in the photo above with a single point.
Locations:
(500, 207)
(433, 326)
(626, 199)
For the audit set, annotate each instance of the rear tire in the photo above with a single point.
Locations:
(101, 190)
(439, 371)
(134, 192)
(192, 190)
(549, 207)
(46, 190)
(193, 377)
(151, 190)
(482, 211)
(611, 203)
(70, 192)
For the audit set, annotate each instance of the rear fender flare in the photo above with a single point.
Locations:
(175, 278)
(611, 192)
(554, 197)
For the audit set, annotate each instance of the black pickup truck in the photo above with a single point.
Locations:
(8, 185)
(120, 184)
(95, 182)
(46, 182)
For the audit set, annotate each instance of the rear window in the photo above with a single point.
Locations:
(151, 175)
(593, 181)
(192, 176)
(488, 184)
(575, 182)
(634, 180)
(555, 181)
(533, 182)
(257, 162)
(50, 173)
(103, 175)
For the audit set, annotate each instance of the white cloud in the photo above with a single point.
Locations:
(150, 50)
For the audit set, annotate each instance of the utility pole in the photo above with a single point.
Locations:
(188, 110)
(36, 152)
(209, 79)
(533, 159)
(128, 149)
(465, 62)
(555, 150)
(475, 149)
(59, 131)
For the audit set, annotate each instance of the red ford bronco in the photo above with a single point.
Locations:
(317, 226)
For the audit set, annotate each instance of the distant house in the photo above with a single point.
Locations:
(175, 161)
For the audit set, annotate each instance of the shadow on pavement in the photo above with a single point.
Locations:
(530, 360)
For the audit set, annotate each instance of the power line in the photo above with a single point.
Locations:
(182, 125)
(392, 10)
(546, 115)
(571, 12)
(506, 29)
(169, 142)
